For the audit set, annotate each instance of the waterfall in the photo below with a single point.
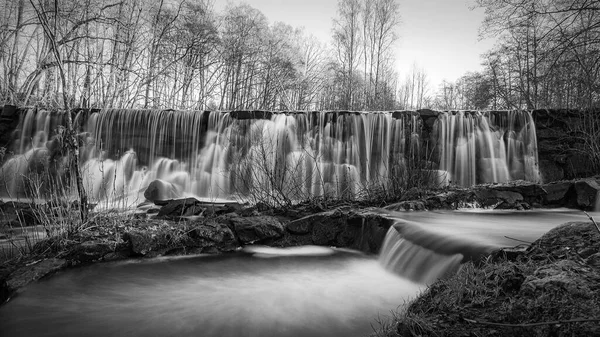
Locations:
(415, 262)
(423, 256)
(262, 155)
(488, 147)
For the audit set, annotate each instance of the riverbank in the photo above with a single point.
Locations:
(188, 226)
(552, 288)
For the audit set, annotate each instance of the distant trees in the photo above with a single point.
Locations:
(182, 54)
(548, 53)
(364, 34)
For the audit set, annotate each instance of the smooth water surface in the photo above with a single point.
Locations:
(495, 228)
(327, 293)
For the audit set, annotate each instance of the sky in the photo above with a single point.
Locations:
(439, 36)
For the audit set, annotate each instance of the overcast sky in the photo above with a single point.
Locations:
(440, 36)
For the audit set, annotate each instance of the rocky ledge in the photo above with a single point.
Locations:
(579, 193)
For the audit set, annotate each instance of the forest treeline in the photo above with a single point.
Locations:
(184, 54)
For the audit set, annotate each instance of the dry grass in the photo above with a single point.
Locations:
(472, 301)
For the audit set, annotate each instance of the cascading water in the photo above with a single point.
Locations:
(415, 262)
(273, 155)
(487, 147)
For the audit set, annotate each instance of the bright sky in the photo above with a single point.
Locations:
(439, 36)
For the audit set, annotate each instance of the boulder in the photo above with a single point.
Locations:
(556, 192)
(181, 207)
(161, 190)
(33, 272)
(551, 171)
(587, 192)
(88, 251)
(306, 224)
(257, 229)
(409, 205)
(341, 227)
(493, 197)
(565, 277)
(141, 242)
(566, 240)
(531, 191)
(213, 234)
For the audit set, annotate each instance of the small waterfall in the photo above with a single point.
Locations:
(423, 256)
(414, 262)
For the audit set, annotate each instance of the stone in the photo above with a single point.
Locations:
(531, 191)
(325, 233)
(551, 171)
(565, 240)
(587, 192)
(301, 226)
(181, 207)
(556, 192)
(559, 277)
(161, 190)
(141, 242)
(580, 164)
(409, 205)
(88, 251)
(214, 234)
(256, 229)
(33, 272)
(507, 254)
(493, 197)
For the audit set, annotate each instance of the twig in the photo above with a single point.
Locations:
(575, 320)
(508, 237)
(594, 221)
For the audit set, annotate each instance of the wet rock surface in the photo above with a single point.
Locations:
(256, 229)
(161, 190)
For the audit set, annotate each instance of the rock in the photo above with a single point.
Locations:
(493, 197)
(531, 191)
(587, 191)
(88, 251)
(255, 229)
(341, 227)
(181, 207)
(27, 274)
(214, 234)
(560, 277)
(411, 205)
(306, 224)
(301, 226)
(161, 190)
(565, 241)
(578, 164)
(556, 192)
(508, 254)
(141, 242)
(550, 170)
(325, 233)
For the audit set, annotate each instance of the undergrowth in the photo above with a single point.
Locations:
(489, 300)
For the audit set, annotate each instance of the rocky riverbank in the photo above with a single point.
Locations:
(189, 226)
(550, 289)
(109, 237)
